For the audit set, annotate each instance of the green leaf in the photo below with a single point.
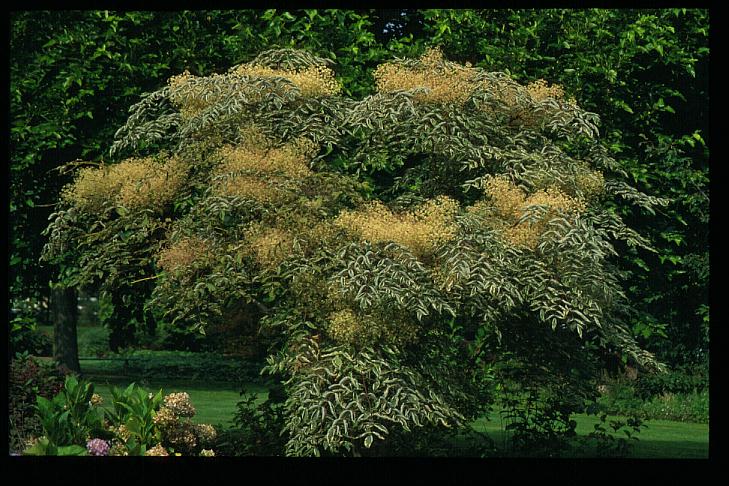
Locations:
(72, 450)
(40, 448)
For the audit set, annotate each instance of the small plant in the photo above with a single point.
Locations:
(150, 424)
(538, 426)
(132, 419)
(69, 419)
(606, 442)
(257, 427)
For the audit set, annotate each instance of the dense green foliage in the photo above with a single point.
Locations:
(163, 365)
(256, 426)
(25, 338)
(208, 252)
(236, 194)
(681, 395)
(645, 71)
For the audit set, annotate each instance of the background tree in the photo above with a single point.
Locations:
(644, 70)
(487, 232)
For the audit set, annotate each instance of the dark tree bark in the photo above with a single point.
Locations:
(64, 302)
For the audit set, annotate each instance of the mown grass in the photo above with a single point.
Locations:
(661, 439)
(216, 401)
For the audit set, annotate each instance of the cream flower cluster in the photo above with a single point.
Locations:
(133, 183)
(507, 204)
(421, 230)
(182, 253)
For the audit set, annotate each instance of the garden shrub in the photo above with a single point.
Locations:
(160, 365)
(137, 422)
(396, 248)
(654, 400)
(69, 420)
(679, 407)
(683, 380)
(28, 377)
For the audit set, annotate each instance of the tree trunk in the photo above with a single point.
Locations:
(65, 317)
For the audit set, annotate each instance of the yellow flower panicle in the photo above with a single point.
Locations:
(443, 83)
(313, 81)
(345, 326)
(189, 98)
(506, 198)
(290, 160)
(591, 183)
(439, 81)
(446, 81)
(93, 188)
(192, 94)
(183, 252)
(249, 187)
(540, 90)
(421, 230)
(271, 246)
(134, 184)
(256, 170)
(156, 187)
(507, 204)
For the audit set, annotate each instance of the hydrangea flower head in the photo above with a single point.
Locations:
(97, 447)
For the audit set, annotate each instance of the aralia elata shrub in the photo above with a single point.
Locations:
(392, 248)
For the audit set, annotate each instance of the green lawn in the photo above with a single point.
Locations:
(92, 340)
(216, 403)
(660, 439)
